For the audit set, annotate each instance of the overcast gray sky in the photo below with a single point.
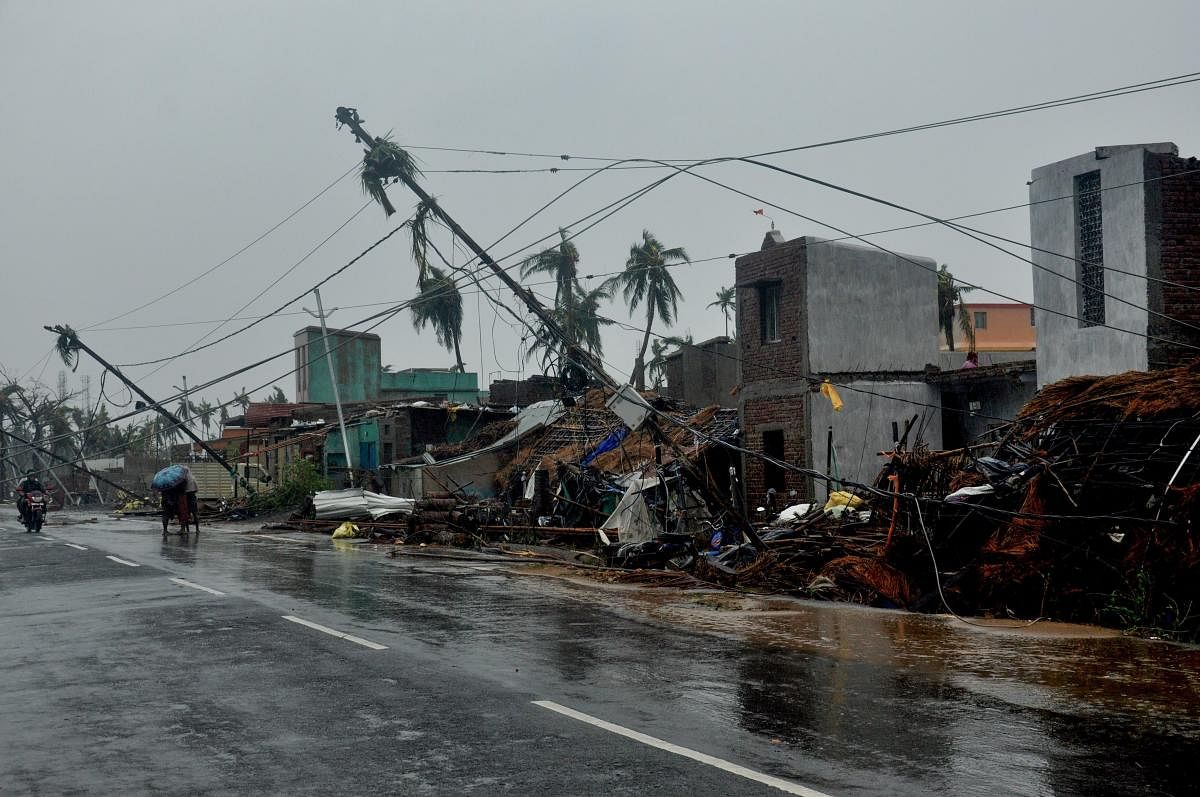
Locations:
(144, 142)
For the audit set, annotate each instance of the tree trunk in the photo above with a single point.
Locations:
(639, 365)
(462, 369)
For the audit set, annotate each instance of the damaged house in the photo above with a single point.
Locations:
(810, 309)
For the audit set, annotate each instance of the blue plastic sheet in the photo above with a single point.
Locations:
(608, 444)
(168, 478)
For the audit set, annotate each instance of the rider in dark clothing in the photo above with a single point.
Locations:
(29, 484)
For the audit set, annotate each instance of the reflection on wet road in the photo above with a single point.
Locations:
(843, 699)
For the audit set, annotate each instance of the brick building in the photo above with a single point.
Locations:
(1119, 260)
(702, 374)
(808, 309)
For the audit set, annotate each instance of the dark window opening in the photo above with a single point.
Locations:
(772, 446)
(1032, 318)
(1089, 249)
(980, 320)
(768, 313)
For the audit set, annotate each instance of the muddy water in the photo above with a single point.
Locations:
(1062, 667)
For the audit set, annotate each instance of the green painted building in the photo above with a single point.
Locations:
(361, 376)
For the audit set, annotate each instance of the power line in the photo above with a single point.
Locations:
(968, 231)
(210, 270)
(1132, 88)
(907, 259)
(193, 349)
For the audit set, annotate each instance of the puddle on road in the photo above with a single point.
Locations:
(1050, 666)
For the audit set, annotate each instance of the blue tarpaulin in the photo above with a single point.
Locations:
(608, 444)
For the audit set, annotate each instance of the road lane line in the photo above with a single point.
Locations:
(44, 537)
(366, 643)
(73, 545)
(185, 583)
(720, 763)
(120, 561)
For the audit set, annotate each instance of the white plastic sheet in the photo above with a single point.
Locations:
(356, 503)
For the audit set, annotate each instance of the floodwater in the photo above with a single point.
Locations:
(846, 699)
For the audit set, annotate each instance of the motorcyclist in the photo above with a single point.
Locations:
(30, 484)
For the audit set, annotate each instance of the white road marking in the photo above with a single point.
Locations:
(44, 537)
(366, 643)
(73, 545)
(121, 561)
(736, 769)
(185, 583)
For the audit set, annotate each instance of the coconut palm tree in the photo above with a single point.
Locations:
(583, 314)
(560, 262)
(727, 303)
(277, 396)
(204, 413)
(950, 303)
(647, 279)
(657, 367)
(439, 304)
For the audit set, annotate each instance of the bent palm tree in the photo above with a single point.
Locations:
(950, 303)
(727, 303)
(582, 316)
(661, 349)
(559, 262)
(439, 304)
(647, 278)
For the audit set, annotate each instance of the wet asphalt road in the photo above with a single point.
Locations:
(117, 679)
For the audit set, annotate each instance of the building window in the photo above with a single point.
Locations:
(1032, 317)
(768, 312)
(1089, 249)
(772, 446)
(980, 320)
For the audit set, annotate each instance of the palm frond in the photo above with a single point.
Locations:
(67, 346)
(383, 163)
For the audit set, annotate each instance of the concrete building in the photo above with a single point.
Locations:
(810, 309)
(362, 377)
(1107, 256)
(704, 373)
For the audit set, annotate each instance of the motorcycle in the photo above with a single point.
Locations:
(35, 511)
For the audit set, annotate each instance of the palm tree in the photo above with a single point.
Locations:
(561, 263)
(583, 313)
(439, 304)
(657, 367)
(950, 303)
(647, 278)
(277, 396)
(727, 303)
(204, 413)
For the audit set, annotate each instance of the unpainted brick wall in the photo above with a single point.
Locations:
(1176, 233)
(762, 361)
(773, 391)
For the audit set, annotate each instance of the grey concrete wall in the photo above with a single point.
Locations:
(1064, 348)
(869, 310)
(864, 426)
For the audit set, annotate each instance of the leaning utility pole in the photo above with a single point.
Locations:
(337, 398)
(576, 356)
(75, 344)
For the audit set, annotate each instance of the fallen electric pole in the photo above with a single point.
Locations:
(575, 355)
(71, 341)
